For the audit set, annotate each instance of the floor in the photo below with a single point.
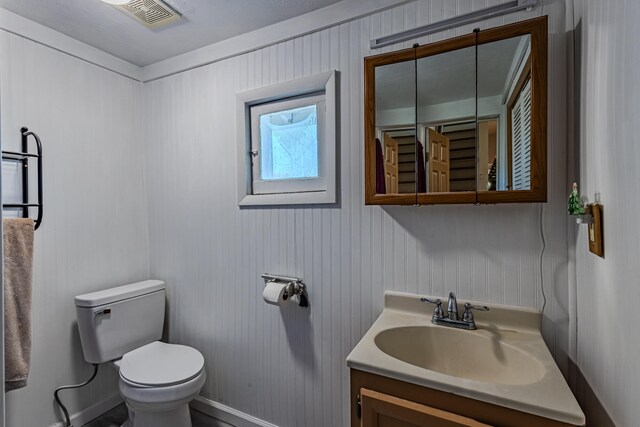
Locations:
(118, 415)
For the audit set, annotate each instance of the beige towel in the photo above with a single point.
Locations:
(18, 273)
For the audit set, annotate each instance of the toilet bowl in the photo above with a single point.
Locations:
(123, 325)
(157, 382)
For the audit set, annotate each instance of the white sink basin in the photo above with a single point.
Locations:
(504, 362)
(466, 354)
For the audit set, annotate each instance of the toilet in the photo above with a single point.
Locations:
(123, 325)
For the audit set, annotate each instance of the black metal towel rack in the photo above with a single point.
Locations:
(23, 158)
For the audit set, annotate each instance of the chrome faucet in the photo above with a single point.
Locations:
(452, 307)
(452, 319)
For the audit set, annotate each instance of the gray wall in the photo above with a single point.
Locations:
(259, 359)
(606, 159)
(288, 366)
(94, 233)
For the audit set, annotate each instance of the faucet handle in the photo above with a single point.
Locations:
(467, 316)
(437, 312)
(469, 306)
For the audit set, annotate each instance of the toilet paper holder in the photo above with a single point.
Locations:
(294, 286)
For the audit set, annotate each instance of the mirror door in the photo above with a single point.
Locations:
(512, 140)
(391, 131)
(504, 115)
(445, 121)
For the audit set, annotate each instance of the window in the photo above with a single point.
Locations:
(286, 156)
(286, 145)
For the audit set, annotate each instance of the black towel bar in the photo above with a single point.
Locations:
(23, 158)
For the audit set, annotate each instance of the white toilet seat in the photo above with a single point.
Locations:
(158, 381)
(145, 397)
(159, 364)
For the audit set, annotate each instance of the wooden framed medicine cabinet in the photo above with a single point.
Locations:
(462, 120)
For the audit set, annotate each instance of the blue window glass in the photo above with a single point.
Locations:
(289, 144)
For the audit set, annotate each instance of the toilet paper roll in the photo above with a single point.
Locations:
(274, 293)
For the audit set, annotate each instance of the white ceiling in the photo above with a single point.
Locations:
(204, 22)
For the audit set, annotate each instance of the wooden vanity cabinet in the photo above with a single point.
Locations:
(383, 410)
(378, 401)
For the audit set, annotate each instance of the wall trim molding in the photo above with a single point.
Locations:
(299, 26)
(227, 414)
(31, 30)
(92, 412)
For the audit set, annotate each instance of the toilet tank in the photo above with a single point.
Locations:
(115, 321)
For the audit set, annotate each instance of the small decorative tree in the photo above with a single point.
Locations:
(575, 205)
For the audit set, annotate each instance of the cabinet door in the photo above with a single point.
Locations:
(383, 410)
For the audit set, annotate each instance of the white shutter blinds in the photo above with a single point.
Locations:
(521, 140)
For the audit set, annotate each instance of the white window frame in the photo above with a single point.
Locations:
(299, 92)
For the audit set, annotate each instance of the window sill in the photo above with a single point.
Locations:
(306, 198)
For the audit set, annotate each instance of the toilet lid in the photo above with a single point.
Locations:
(159, 364)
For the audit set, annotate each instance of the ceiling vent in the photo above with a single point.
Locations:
(150, 13)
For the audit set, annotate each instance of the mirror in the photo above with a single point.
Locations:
(395, 114)
(446, 103)
(504, 115)
(461, 120)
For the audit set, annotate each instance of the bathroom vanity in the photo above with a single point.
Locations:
(408, 371)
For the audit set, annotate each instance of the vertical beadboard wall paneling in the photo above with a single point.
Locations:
(94, 233)
(2, 392)
(558, 333)
(607, 98)
(287, 365)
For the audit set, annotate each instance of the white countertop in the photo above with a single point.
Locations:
(518, 328)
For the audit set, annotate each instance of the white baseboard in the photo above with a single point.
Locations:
(209, 407)
(89, 413)
(227, 414)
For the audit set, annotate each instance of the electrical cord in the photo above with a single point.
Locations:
(67, 387)
(544, 246)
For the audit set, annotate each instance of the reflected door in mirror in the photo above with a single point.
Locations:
(438, 162)
(391, 164)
